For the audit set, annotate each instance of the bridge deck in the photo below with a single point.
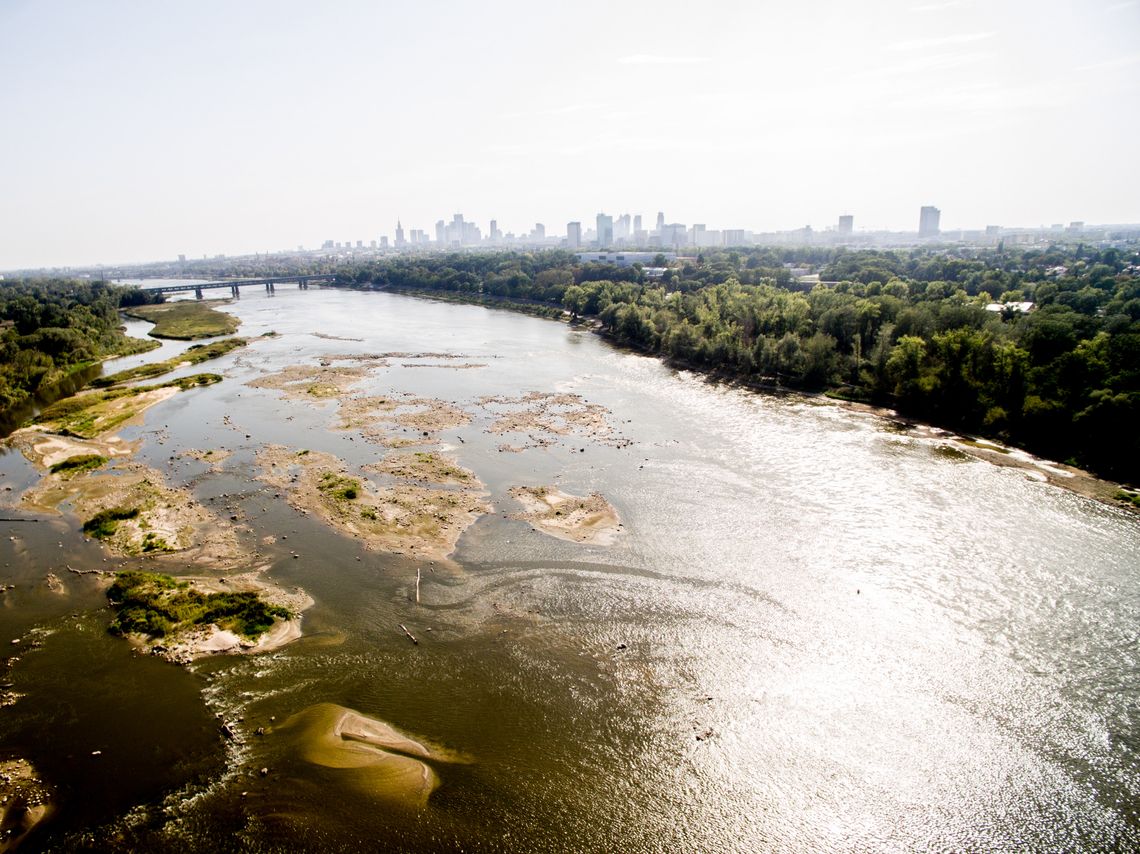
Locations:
(237, 283)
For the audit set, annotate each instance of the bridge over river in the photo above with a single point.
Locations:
(235, 285)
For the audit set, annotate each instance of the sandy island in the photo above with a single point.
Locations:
(591, 520)
(367, 753)
(193, 643)
(131, 508)
(167, 523)
(405, 518)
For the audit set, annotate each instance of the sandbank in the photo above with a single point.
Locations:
(403, 517)
(369, 754)
(170, 523)
(200, 642)
(591, 520)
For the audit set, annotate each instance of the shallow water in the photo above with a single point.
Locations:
(813, 634)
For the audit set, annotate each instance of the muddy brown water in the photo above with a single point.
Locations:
(814, 634)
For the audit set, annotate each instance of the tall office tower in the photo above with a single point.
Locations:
(440, 232)
(399, 235)
(928, 219)
(696, 234)
(495, 236)
(660, 222)
(539, 232)
(573, 235)
(605, 231)
(846, 224)
(622, 227)
(636, 225)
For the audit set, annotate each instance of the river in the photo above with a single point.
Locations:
(814, 633)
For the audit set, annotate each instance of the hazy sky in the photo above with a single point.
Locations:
(140, 130)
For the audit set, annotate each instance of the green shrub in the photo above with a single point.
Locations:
(79, 463)
(158, 605)
(104, 523)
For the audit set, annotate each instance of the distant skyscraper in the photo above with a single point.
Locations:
(495, 235)
(622, 227)
(605, 231)
(660, 222)
(637, 224)
(846, 224)
(399, 234)
(440, 232)
(928, 219)
(573, 235)
(539, 231)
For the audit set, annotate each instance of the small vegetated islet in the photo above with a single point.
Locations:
(79, 463)
(194, 355)
(104, 523)
(339, 487)
(158, 605)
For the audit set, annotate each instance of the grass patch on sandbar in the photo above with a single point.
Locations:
(339, 487)
(92, 414)
(194, 355)
(185, 320)
(79, 463)
(158, 605)
(104, 523)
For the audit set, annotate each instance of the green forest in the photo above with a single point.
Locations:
(904, 329)
(911, 329)
(50, 328)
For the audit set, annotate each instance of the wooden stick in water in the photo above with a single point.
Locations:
(411, 637)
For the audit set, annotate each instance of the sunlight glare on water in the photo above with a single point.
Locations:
(815, 633)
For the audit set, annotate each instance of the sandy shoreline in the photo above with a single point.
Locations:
(992, 451)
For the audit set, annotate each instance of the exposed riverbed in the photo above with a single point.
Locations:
(652, 614)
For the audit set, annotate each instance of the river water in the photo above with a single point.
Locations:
(815, 633)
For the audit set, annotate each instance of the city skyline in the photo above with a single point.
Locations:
(141, 133)
(623, 232)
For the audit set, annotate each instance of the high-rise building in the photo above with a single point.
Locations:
(495, 235)
(605, 231)
(660, 222)
(539, 232)
(622, 229)
(928, 219)
(573, 235)
(399, 235)
(637, 224)
(673, 234)
(846, 224)
(440, 232)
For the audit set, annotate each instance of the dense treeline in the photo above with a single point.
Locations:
(905, 329)
(51, 327)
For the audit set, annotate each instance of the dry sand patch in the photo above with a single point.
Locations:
(591, 519)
